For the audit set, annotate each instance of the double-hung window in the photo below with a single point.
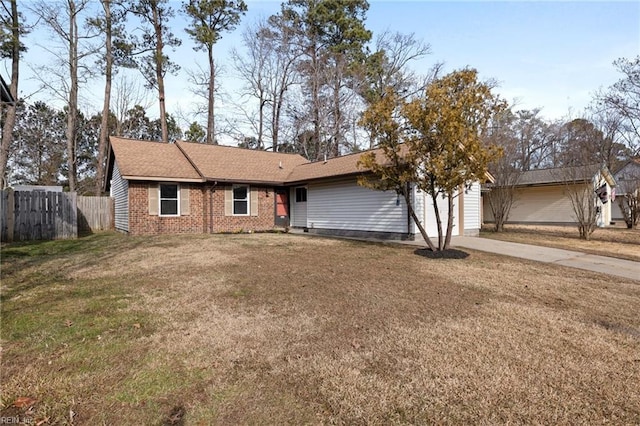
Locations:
(241, 200)
(169, 199)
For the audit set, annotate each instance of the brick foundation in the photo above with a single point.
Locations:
(206, 212)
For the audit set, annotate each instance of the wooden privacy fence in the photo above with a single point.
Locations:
(95, 214)
(39, 215)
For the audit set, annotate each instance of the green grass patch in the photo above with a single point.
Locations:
(76, 330)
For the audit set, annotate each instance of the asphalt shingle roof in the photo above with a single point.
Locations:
(152, 160)
(144, 160)
(226, 163)
(558, 175)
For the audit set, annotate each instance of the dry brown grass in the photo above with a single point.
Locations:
(614, 241)
(290, 329)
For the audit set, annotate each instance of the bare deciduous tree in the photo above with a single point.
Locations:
(628, 192)
(535, 140)
(623, 98)
(580, 183)
(65, 21)
(506, 175)
(269, 71)
(389, 66)
(128, 94)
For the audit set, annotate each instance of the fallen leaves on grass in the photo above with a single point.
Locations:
(24, 401)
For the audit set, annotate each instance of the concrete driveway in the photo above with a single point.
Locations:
(606, 265)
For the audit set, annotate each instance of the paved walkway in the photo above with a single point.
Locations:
(606, 265)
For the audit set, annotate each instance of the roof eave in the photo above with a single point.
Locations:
(521, 185)
(247, 181)
(162, 179)
(319, 178)
(106, 185)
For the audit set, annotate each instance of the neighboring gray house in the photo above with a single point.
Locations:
(628, 181)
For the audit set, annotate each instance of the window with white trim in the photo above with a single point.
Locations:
(169, 199)
(241, 200)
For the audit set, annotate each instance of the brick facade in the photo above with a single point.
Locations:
(206, 212)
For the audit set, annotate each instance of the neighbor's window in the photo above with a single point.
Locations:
(169, 199)
(241, 200)
(301, 195)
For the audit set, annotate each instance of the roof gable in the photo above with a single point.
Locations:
(337, 166)
(146, 160)
(631, 167)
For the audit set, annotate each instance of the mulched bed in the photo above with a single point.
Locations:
(444, 254)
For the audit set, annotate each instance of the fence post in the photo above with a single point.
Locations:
(7, 207)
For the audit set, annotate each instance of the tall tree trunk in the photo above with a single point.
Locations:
(416, 220)
(104, 125)
(275, 122)
(263, 105)
(337, 116)
(72, 113)
(447, 240)
(211, 124)
(340, 64)
(157, 25)
(10, 115)
(277, 110)
(436, 210)
(315, 101)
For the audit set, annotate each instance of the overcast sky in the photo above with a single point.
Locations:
(549, 55)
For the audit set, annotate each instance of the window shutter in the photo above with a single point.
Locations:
(184, 200)
(153, 199)
(228, 201)
(254, 202)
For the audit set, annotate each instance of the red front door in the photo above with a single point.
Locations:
(282, 207)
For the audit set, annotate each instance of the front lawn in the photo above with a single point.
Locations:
(290, 329)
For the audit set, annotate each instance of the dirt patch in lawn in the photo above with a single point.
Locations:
(290, 329)
(616, 242)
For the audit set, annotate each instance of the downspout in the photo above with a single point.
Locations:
(204, 209)
(204, 183)
(408, 215)
(212, 191)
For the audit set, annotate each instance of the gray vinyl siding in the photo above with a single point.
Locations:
(298, 210)
(471, 208)
(616, 212)
(430, 223)
(345, 205)
(120, 193)
(418, 207)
